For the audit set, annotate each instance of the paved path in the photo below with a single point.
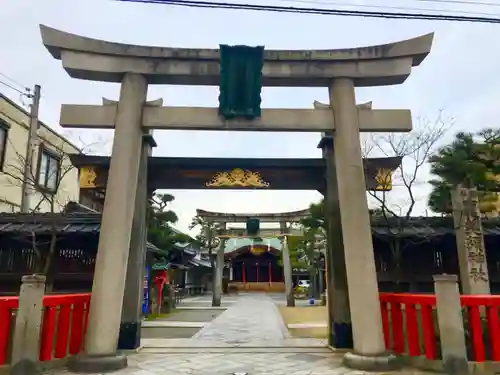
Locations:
(253, 317)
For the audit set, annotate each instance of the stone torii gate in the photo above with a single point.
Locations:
(284, 218)
(134, 67)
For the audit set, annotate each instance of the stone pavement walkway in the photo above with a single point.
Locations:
(251, 321)
(253, 317)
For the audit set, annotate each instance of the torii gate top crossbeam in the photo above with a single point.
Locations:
(224, 217)
(99, 60)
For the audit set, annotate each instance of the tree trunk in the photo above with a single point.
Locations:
(215, 300)
(49, 264)
(321, 282)
(396, 269)
(313, 287)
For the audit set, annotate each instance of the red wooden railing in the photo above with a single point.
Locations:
(64, 322)
(404, 335)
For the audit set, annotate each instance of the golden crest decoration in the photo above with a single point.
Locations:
(87, 177)
(257, 250)
(237, 178)
(383, 179)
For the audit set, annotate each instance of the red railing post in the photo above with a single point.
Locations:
(494, 332)
(476, 332)
(397, 328)
(77, 321)
(385, 324)
(7, 304)
(412, 329)
(48, 331)
(428, 331)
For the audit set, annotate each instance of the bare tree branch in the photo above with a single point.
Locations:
(414, 148)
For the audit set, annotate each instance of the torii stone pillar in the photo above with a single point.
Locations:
(287, 267)
(219, 269)
(339, 314)
(369, 347)
(130, 328)
(114, 238)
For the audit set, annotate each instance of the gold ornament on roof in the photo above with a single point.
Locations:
(87, 177)
(237, 178)
(383, 179)
(257, 250)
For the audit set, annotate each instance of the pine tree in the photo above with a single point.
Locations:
(472, 160)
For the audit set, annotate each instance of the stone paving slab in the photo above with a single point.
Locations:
(191, 315)
(201, 308)
(307, 325)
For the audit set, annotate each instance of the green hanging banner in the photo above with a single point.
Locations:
(240, 81)
(253, 227)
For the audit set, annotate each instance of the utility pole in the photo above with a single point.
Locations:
(30, 150)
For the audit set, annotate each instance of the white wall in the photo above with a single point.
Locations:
(14, 161)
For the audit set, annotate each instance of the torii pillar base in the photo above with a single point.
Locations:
(97, 364)
(376, 363)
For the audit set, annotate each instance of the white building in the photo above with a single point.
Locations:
(53, 182)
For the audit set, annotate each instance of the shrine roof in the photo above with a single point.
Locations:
(78, 219)
(426, 226)
(234, 244)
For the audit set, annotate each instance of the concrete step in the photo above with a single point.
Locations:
(172, 324)
(179, 343)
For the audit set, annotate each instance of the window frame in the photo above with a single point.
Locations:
(5, 127)
(42, 149)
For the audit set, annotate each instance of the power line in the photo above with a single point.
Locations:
(15, 89)
(462, 2)
(14, 81)
(337, 12)
(357, 5)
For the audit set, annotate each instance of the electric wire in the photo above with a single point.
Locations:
(318, 11)
(14, 81)
(357, 5)
(462, 2)
(13, 88)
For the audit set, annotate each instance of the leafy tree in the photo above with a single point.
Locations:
(294, 244)
(207, 238)
(160, 220)
(471, 160)
(306, 251)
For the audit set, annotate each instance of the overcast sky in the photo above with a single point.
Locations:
(461, 75)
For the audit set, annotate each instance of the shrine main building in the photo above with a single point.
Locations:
(254, 263)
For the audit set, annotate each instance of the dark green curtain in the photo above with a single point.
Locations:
(240, 81)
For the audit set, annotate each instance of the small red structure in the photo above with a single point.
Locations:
(406, 339)
(160, 280)
(57, 340)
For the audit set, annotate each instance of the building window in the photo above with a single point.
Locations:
(49, 167)
(4, 130)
